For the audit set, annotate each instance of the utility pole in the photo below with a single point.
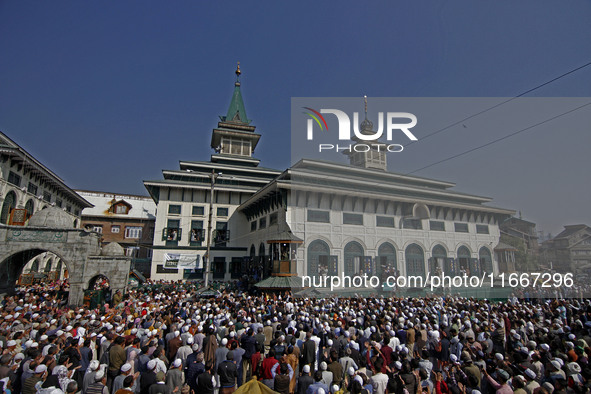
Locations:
(208, 260)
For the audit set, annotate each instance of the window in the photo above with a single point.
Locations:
(413, 224)
(222, 212)
(97, 228)
(121, 209)
(221, 234)
(253, 225)
(273, 218)
(263, 222)
(481, 229)
(198, 210)
(353, 218)
(14, 178)
(32, 188)
(436, 226)
(47, 196)
(115, 229)
(236, 267)
(197, 233)
(385, 221)
(69, 208)
(133, 232)
(58, 203)
(236, 147)
(461, 227)
(318, 216)
(132, 251)
(174, 209)
(172, 234)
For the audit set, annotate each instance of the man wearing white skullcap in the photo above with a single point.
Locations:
(174, 344)
(531, 385)
(34, 382)
(175, 377)
(89, 375)
(305, 380)
(125, 372)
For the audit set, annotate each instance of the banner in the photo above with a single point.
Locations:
(175, 260)
(171, 260)
(190, 261)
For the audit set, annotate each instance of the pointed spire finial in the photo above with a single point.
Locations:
(365, 100)
(238, 72)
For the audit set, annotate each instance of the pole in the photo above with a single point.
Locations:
(208, 261)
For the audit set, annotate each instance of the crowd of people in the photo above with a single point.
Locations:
(167, 339)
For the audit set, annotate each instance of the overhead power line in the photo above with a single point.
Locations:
(499, 139)
(501, 103)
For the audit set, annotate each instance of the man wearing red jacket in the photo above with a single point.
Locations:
(268, 364)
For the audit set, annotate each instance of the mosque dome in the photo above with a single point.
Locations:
(52, 217)
(112, 249)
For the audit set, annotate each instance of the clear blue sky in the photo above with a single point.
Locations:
(109, 93)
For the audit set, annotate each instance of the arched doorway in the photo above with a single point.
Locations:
(386, 264)
(353, 254)
(98, 292)
(318, 256)
(485, 258)
(464, 260)
(12, 271)
(415, 260)
(438, 261)
(7, 206)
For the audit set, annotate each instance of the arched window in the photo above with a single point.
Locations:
(318, 256)
(353, 255)
(262, 249)
(415, 260)
(48, 265)
(29, 206)
(59, 266)
(264, 262)
(387, 259)
(464, 259)
(253, 251)
(35, 266)
(7, 207)
(485, 260)
(438, 261)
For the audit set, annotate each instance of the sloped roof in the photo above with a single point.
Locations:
(504, 246)
(570, 230)
(280, 282)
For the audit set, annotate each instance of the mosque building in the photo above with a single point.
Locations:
(315, 218)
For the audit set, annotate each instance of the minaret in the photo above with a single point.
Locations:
(360, 155)
(234, 136)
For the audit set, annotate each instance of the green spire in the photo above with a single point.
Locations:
(236, 112)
